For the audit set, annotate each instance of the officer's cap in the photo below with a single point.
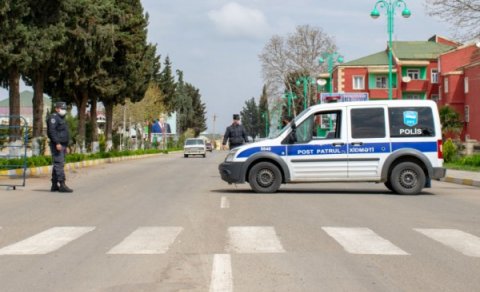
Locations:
(236, 117)
(61, 105)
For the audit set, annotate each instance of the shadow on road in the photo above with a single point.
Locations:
(312, 191)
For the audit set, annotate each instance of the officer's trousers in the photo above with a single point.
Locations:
(58, 161)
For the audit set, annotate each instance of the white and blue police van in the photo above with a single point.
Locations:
(398, 143)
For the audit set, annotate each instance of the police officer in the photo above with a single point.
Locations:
(57, 130)
(235, 134)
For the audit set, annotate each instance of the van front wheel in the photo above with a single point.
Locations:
(265, 177)
(407, 178)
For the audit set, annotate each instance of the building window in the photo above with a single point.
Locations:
(434, 76)
(381, 82)
(358, 82)
(467, 114)
(445, 84)
(435, 97)
(413, 73)
(466, 84)
(413, 96)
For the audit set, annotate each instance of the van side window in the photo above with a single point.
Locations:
(321, 125)
(368, 123)
(411, 122)
(326, 125)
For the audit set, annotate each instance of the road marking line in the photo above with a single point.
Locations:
(363, 241)
(147, 240)
(222, 278)
(225, 203)
(46, 241)
(463, 242)
(254, 239)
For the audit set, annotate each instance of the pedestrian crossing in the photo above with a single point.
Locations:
(154, 240)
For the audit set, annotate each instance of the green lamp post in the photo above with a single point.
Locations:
(331, 59)
(290, 96)
(306, 80)
(390, 6)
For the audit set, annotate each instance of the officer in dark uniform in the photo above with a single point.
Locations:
(235, 134)
(57, 130)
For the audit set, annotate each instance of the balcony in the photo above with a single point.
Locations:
(416, 85)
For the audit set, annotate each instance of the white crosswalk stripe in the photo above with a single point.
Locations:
(222, 279)
(363, 241)
(46, 241)
(254, 239)
(148, 240)
(463, 242)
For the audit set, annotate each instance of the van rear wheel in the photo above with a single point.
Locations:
(265, 177)
(407, 178)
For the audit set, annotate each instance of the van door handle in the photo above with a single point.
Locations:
(338, 144)
(357, 143)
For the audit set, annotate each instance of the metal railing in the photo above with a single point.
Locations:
(13, 151)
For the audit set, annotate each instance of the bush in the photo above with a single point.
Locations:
(450, 151)
(473, 160)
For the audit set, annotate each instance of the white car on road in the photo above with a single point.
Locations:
(194, 146)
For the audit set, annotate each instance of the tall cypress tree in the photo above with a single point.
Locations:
(166, 81)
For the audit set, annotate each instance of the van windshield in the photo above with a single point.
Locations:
(194, 142)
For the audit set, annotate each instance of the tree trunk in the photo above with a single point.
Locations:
(37, 103)
(14, 104)
(82, 100)
(109, 124)
(93, 122)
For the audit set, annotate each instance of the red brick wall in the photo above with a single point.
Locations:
(473, 100)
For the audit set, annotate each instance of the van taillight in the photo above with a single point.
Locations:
(440, 149)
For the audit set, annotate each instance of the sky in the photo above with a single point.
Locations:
(216, 43)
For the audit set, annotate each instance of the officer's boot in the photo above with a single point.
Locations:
(55, 187)
(63, 188)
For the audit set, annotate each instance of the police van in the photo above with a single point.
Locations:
(398, 143)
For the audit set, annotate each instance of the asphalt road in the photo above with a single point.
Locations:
(171, 224)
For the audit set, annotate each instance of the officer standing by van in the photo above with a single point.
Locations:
(235, 134)
(57, 130)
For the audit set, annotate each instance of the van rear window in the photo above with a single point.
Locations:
(411, 122)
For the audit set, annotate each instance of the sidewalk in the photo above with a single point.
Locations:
(469, 178)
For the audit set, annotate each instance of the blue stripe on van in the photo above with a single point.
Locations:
(329, 149)
(420, 146)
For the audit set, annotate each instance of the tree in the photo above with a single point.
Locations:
(298, 52)
(14, 57)
(198, 121)
(166, 81)
(451, 123)
(47, 34)
(264, 113)
(89, 30)
(251, 118)
(463, 15)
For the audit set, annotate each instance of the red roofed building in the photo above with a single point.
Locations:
(438, 69)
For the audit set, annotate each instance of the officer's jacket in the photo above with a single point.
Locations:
(57, 129)
(236, 134)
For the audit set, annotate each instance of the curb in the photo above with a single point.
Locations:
(36, 171)
(461, 181)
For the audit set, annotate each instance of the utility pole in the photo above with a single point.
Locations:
(213, 131)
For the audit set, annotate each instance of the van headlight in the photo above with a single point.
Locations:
(231, 155)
